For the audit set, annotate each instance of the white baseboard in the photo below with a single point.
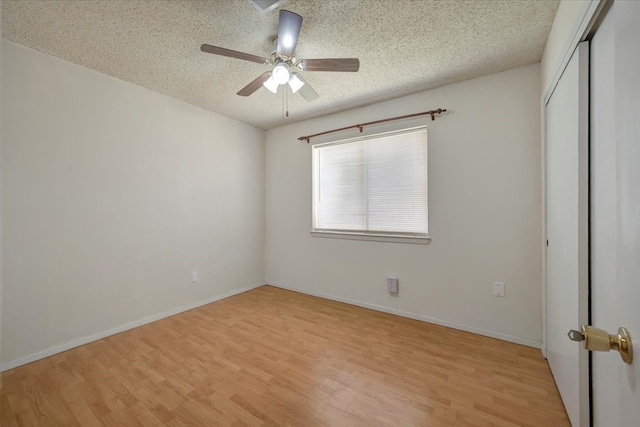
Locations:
(85, 340)
(453, 325)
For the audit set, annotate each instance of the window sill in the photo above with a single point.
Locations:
(393, 238)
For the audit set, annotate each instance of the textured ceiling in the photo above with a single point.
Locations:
(404, 46)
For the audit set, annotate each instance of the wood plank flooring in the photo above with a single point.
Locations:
(275, 357)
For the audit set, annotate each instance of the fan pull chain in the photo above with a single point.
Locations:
(285, 102)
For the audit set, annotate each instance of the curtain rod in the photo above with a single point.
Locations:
(431, 113)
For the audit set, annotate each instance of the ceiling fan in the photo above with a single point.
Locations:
(285, 65)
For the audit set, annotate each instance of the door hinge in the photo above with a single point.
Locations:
(547, 242)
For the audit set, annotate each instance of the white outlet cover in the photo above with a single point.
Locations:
(195, 277)
(392, 284)
(498, 289)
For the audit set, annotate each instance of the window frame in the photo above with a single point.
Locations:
(395, 237)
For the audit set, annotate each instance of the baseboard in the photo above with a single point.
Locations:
(85, 340)
(453, 325)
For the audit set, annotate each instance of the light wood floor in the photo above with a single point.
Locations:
(274, 357)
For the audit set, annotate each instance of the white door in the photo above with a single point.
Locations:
(615, 210)
(567, 269)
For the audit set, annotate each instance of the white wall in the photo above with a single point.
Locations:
(484, 217)
(112, 196)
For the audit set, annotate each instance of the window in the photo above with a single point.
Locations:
(372, 186)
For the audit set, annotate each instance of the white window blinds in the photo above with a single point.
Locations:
(375, 184)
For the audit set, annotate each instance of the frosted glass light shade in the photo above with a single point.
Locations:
(271, 85)
(280, 74)
(295, 83)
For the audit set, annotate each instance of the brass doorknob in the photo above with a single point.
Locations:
(599, 340)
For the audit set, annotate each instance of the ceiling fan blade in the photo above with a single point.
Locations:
(233, 53)
(331, 64)
(306, 91)
(288, 31)
(255, 85)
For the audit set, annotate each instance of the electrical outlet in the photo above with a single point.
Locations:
(392, 284)
(498, 289)
(195, 277)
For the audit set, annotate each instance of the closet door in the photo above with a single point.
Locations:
(567, 269)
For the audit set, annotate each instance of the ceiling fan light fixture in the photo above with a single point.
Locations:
(280, 74)
(271, 85)
(283, 57)
(295, 83)
(265, 6)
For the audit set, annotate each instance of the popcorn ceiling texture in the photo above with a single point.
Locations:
(404, 46)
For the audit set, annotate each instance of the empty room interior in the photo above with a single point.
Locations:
(320, 213)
